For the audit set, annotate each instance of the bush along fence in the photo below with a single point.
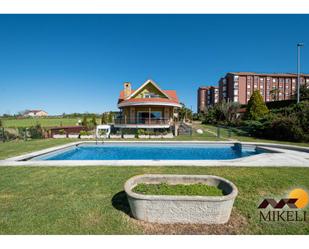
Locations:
(33, 132)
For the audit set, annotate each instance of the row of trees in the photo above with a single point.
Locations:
(90, 122)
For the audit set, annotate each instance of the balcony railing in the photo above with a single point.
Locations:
(143, 121)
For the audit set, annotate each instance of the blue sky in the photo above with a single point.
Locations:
(78, 63)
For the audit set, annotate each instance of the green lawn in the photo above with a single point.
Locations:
(43, 121)
(19, 147)
(90, 200)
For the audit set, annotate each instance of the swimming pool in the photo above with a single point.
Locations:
(152, 152)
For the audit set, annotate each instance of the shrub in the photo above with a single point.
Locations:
(61, 132)
(222, 113)
(286, 128)
(256, 107)
(84, 133)
(140, 132)
(36, 131)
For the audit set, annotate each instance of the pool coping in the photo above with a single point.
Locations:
(286, 156)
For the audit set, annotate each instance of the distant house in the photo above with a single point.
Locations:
(147, 107)
(35, 113)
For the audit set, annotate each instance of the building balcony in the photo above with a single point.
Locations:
(142, 123)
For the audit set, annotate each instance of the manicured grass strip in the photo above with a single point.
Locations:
(91, 200)
(19, 147)
(177, 189)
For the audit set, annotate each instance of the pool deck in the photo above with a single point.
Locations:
(286, 156)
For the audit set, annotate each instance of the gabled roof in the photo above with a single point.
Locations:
(171, 97)
(142, 86)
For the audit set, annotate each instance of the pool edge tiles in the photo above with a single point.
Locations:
(284, 156)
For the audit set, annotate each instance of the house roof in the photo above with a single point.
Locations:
(171, 97)
(34, 111)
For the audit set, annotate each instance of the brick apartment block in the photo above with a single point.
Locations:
(207, 96)
(238, 87)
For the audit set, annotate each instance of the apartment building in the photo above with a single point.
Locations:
(206, 96)
(239, 86)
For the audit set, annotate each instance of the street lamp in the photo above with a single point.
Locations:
(299, 45)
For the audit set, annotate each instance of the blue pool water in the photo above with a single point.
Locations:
(152, 152)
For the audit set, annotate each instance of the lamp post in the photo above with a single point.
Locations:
(299, 45)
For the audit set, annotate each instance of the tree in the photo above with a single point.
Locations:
(303, 92)
(185, 113)
(223, 112)
(0, 123)
(110, 118)
(103, 119)
(274, 93)
(94, 120)
(84, 122)
(256, 107)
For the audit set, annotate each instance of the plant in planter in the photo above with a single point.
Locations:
(167, 199)
(85, 134)
(141, 133)
(60, 134)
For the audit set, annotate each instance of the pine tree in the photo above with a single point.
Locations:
(256, 107)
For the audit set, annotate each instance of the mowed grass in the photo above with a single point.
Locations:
(90, 200)
(19, 147)
(44, 122)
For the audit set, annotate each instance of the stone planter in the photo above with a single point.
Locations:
(128, 136)
(170, 135)
(181, 209)
(115, 136)
(86, 136)
(143, 136)
(59, 136)
(73, 135)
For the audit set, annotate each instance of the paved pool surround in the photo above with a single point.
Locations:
(283, 156)
(169, 209)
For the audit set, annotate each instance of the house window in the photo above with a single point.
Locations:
(235, 92)
(274, 80)
(143, 116)
(235, 99)
(236, 77)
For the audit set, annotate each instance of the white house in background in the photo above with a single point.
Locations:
(35, 113)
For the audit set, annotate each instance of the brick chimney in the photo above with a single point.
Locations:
(127, 89)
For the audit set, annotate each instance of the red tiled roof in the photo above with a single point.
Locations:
(171, 93)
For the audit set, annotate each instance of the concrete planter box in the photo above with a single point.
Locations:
(59, 136)
(170, 135)
(143, 136)
(128, 136)
(73, 135)
(181, 209)
(87, 136)
(115, 136)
